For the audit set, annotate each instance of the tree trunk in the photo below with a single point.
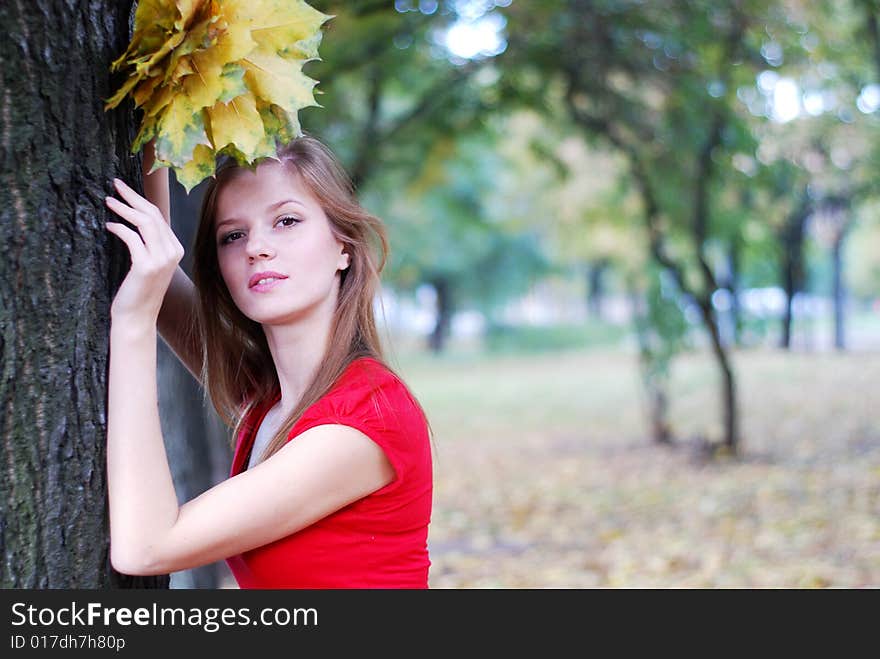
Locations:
(728, 389)
(437, 339)
(596, 286)
(788, 284)
(834, 221)
(654, 381)
(792, 241)
(839, 292)
(733, 262)
(59, 271)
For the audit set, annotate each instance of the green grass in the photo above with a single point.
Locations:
(525, 339)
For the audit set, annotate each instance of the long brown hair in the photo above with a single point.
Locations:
(238, 371)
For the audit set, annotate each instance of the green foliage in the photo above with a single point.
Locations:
(445, 226)
(516, 339)
(662, 328)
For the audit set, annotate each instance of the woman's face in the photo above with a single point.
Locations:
(276, 251)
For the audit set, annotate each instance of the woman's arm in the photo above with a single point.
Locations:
(177, 316)
(325, 469)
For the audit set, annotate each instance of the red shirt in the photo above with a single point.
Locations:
(379, 541)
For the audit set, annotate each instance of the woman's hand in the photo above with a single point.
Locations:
(155, 253)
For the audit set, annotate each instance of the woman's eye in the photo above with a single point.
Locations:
(231, 236)
(288, 221)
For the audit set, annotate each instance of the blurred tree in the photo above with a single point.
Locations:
(661, 331)
(836, 138)
(389, 91)
(454, 228)
(657, 83)
(783, 198)
(395, 103)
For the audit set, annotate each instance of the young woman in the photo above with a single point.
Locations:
(331, 482)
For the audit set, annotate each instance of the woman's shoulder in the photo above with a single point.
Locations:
(370, 387)
(368, 376)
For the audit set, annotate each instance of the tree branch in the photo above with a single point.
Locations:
(604, 127)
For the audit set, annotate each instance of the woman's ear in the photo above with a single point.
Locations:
(344, 260)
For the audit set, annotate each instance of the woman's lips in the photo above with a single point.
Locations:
(267, 286)
(265, 281)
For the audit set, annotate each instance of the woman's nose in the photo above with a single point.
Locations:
(259, 247)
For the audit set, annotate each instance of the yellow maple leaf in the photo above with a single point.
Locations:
(278, 123)
(152, 19)
(199, 37)
(212, 79)
(187, 10)
(145, 134)
(238, 123)
(280, 26)
(278, 81)
(198, 169)
(218, 76)
(145, 90)
(179, 129)
(126, 88)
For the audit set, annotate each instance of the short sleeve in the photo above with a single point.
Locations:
(371, 399)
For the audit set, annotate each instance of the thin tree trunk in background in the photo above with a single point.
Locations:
(833, 222)
(839, 292)
(596, 271)
(728, 382)
(733, 259)
(443, 323)
(58, 274)
(791, 238)
(788, 284)
(655, 385)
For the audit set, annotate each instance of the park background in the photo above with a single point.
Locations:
(634, 282)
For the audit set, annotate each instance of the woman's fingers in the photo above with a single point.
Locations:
(148, 226)
(133, 198)
(156, 233)
(131, 238)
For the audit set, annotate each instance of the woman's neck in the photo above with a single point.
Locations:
(297, 350)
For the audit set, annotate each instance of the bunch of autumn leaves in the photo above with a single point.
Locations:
(218, 76)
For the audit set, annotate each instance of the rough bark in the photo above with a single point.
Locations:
(58, 273)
